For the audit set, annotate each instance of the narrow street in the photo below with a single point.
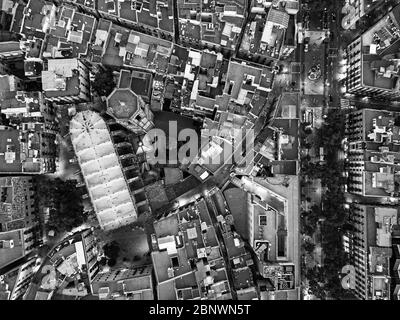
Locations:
(246, 22)
(176, 21)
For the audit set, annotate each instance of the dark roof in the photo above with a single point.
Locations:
(123, 102)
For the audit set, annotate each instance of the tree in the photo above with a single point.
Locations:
(65, 202)
(309, 246)
(104, 83)
(111, 262)
(111, 250)
(103, 261)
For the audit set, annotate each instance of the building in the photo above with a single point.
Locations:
(6, 9)
(19, 231)
(373, 153)
(124, 284)
(89, 248)
(51, 31)
(395, 273)
(66, 81)
(14, 283)
(10, 51)
(27, 108)
(271, 229)
(29, 150)
(152, 17)
(99, 43)
(372, 63)
(215, 25)
(128, 107)
(271, 32)
(29, 134)
(276, 151)
(194, 89)
(70, 35)
(141, 84)
(290, 41)
(11, 55)
(353, 10)
(9, 84)
(88, 6)
(245, 82)
(240, 259)
(369, 245)
(235, 117)
(68, 268)
(187, 257)
(124, 47)
(101, 168)
(33, 21)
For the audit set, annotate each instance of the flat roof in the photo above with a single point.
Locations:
(9, 255)
(9, 141)
(123, 103)
(187, 233)
(61, 68)
(9, 46)
(76, 41)
(371, 79)
(137, 279)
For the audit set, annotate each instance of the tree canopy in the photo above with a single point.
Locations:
(104, 83)
(331, 215)
(111, 251)
(65, 202)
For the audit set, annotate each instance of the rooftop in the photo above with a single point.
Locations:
(39, 15)
(187, 247)
(100, 39)
(61, 78)
(134, 283)
(157, 15)
(9, 46)
(380, 45)
(265, 34)
(216, 23)
(9, 254)
(70, 35)
(135, 49)
(243, 78)
(15, 197)
(21, 150)
(86, 3)
(102, 171)
(384, 33)
(123, 102)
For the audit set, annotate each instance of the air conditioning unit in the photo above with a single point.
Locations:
(7, 244)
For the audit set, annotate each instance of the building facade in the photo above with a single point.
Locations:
(19, 222)
(373, 153)
(369, 245)
(372, 66)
